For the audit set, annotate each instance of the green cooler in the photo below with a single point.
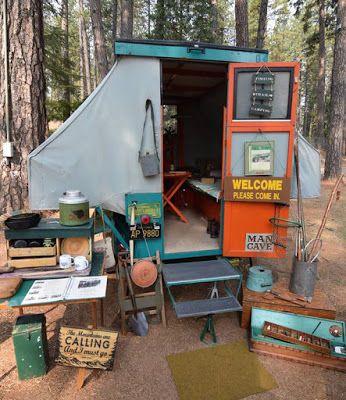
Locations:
(30, 345)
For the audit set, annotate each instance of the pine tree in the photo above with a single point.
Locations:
(27, 122)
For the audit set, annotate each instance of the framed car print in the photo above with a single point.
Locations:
(259, 158)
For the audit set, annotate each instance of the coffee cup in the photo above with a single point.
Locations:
(65, 261)
(81, 263)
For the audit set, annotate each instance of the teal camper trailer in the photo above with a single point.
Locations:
(164, 136)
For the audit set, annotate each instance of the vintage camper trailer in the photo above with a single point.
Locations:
(196, 138)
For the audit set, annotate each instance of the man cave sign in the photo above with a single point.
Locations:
(259, 242)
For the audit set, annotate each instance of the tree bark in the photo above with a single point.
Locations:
(28, 120)
(66, 88)
(99, 38)
(333, 166)
(262, 24)
(241, 23)
(114, 25)
(214, 20)
(126, 19)
(319, 135)
(82, 79)
(149, 18)
(85, 47)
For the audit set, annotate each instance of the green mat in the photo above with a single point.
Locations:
(225, 372)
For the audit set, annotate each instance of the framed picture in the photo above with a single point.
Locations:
(259, 158)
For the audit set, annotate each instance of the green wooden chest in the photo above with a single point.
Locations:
(30, 346)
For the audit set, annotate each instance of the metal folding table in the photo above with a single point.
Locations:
(188, 273)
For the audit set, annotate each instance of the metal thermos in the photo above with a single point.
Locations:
(74, 208)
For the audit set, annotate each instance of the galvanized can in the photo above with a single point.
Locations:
(74, 208)
(303, 278)
(259, 279)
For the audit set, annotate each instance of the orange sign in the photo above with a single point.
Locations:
(257, 189)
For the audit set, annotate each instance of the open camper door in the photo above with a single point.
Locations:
(261, 115)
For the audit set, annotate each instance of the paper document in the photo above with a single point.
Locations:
(74, 288)
(46, 291)
(90, 287)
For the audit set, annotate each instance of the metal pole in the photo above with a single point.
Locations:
(5, 49)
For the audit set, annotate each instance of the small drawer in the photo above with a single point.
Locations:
(32, 262)
(32, 251)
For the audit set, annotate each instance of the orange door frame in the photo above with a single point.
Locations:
(250, 217)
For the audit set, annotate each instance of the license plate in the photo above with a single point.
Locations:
(139, 232)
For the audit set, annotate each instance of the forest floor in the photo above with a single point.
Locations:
(141, 370)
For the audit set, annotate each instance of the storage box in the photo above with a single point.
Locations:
(30, 346)
(295, 352)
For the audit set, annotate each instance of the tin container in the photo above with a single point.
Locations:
(259, 279)
(74, 208)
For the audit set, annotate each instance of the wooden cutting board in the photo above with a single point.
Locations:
(9, 287)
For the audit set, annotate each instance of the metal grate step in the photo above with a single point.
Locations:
(197, 308)
(198, 271)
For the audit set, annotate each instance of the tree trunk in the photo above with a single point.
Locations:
(160, 19)
(262, 24)
(85, 47)
(28, 120)
(214, 20)
(307, 114)
(114, 25)
(66, 92)
(126, 19)
(241, 23)
(99, 38)
(338, 108)
(149, 18)
(82, 79)
(319, 135)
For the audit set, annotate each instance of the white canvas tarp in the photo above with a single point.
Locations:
(96, 149)
(309, 171)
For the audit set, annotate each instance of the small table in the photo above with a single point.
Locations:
(178, 178)
(16, 300)
(213, 271)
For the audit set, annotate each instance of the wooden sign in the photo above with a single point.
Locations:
(263, 110)
(257, 189)
(87, 348)
(262, 94)
(263, 78)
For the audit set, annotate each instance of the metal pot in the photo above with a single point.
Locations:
(74, 208)
(23, 221)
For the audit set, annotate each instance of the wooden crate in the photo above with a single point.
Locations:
(319, 307)
(32, 251)
(31, 257)
(32, 262)
(304, 357)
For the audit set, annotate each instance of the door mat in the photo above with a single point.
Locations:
(225, 372)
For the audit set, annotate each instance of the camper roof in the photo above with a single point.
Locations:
(188, 51)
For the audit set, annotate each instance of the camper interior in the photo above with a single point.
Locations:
(193, 98)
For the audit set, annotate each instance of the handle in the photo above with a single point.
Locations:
(196, 49)
(132, 222)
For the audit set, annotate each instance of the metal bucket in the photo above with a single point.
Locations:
(303, 278)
